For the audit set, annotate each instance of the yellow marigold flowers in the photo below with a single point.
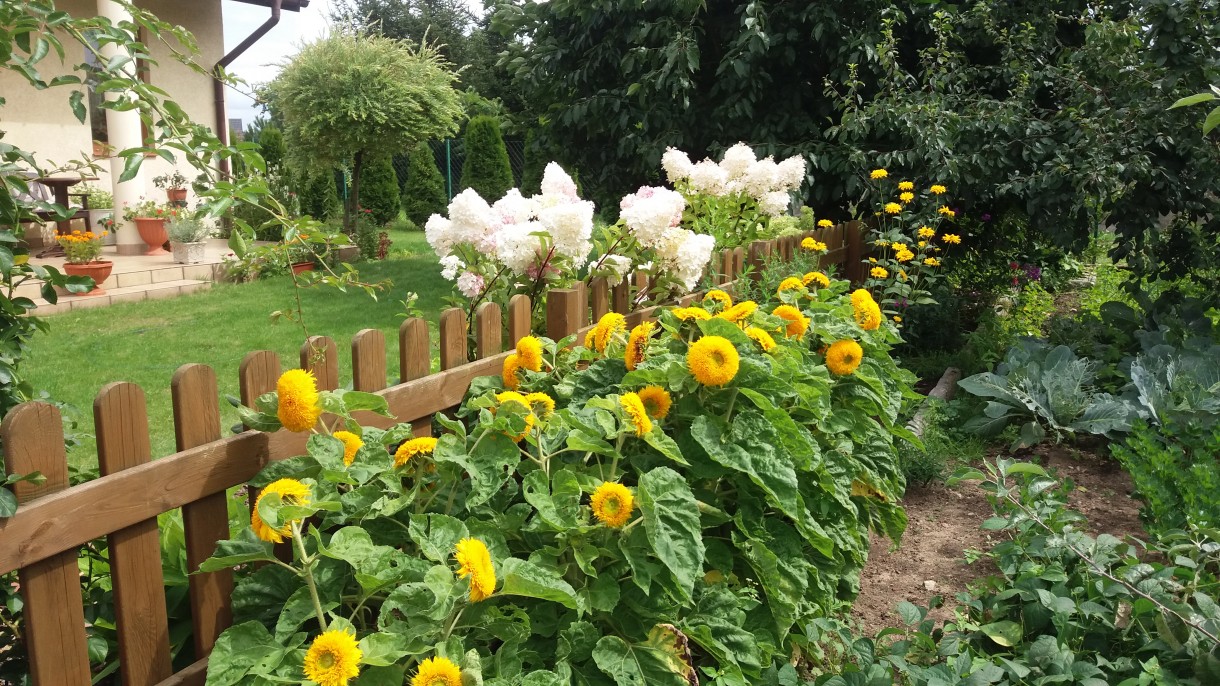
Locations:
(843, 357)
(813, 244)
(333, 659)
(819, 278)
(512, 372)
(926, 232)
(529, 352)
(892, 208)
(825, 223)
(951, 238)
(906, 186)
(657, 401)
(945, 211)
(797, 322)
(437, 671)
(612, 504)
(878, 174)
(610, 324)
(906, 197)
(298, 400)
(719, 296)
(713, 360)
(762, 338)
(932, 262)
(937, 189)
(637, 345)
(696, 313)
(878, 272)
(904, 255)
(637, 414)
(351, 443)
(541, 404)
(867, 311)
(415, 446)
(474, 561)
(522, 401)
(922, 244)
(790, 283)
(291, 492)
(739, 312)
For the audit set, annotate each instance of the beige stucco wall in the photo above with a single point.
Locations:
(42, 121)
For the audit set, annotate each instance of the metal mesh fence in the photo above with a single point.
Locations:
(450, 156)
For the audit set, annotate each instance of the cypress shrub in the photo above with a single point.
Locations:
(423, 194)
(535, 163)
(379, 190)
(319, 196)
(487, 169)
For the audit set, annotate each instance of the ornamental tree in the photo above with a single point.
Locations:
(347, 96)
(423, 193)
(487, 168)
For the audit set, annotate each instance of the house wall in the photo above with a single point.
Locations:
(42, 121)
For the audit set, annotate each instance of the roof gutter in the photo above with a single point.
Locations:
(222, 119)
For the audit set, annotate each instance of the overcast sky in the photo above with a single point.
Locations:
(259, 64)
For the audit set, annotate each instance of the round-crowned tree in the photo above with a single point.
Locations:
(346, 97)
(487, 169)
(423, 193)
(380, 192)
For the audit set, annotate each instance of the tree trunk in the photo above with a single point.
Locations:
(354, 200)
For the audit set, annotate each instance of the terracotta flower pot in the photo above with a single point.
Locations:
(176, 194)
(299, 267)
(152, 231)
(98, 270)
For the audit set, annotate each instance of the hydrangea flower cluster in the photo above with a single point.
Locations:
(654, 216)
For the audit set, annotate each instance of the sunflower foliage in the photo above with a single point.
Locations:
(673, 503)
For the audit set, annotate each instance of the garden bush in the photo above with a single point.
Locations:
(319, 196)
(423, 193)
(679, 501)
(1176, 473)
(487, 168)
(379, 191)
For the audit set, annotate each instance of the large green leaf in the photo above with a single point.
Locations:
(240, 650)
(558, 504)
(244, 549)
(437, 535)
(671, 521)
(526, 579)
(634, 664)
(749, 446)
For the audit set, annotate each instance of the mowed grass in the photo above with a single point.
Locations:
(146, 342)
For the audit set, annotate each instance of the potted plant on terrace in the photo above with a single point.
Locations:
(149, 218)
(101, 206)
(174, 185)
(188, 238)
(83, 250)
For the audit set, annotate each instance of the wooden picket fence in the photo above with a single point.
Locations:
(54, 520)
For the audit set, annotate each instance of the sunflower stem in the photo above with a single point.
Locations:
(307, 573)
(453, 624)
(618, 450)
(729, 413)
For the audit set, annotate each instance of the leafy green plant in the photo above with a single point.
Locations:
(1177, 384)
(1046, 388)
(380, 192)
(1175, 471)
(319, 197)
(423, 193)
(487, 169)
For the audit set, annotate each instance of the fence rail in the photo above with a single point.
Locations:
(42, 539)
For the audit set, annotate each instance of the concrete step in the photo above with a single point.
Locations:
(122, 294)
(139, 277)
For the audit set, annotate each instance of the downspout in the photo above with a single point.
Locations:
(218, 86)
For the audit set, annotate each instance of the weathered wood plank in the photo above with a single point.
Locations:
(489, 324)
(453, 338)
(320, 355)
(368, 361)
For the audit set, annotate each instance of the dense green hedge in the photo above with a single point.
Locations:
(487, 168)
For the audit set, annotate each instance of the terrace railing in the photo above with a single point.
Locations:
(54, 520)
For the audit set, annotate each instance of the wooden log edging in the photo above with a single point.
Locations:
(944, 390)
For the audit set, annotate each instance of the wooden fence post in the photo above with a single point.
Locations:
(121, 420)
(320, 355)
(520, 318)
(563, 315)
(620, 300)
(33, 438)
(453, 338)
(488, 327)
(415, 361)
(601, 297)
(852, 268)
(205, 521)
(368, 361)
(759, 250)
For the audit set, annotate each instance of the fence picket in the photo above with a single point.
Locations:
(368, 361)
(415, 361)
(620, 297)
(759, 250)
(320, 355)
(453, 338)
(519, 318)
(489, 325)
(121, 421)
(564, 316)
(205, 521)
(33, 439)
(601, 297)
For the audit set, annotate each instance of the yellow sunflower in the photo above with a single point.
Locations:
(713, 360)
(474, 561)
(637, 414)
(541, 404)
(861, 296)
(878, 174)
(656, 400)
(612, 504)
(739, 312)
(937, 189)
(298, 400)
(868, 316)
(512, 371)
(762, 338)
(719, 296)
(696, 313)
(843, 357)
(904, 255)
(351, 443)
(291, 492)
(797, 322)
(415, 446)
(951, 238)
(825, 223)
(906, 186)
(610, 324)
(789, 283)
(819, 278)
(892, 208)
(514, 397)
(906, 197)
(878, 272)
(333, 659)
(946, 212)
(437, 671)
(529, 353)
(637, 345)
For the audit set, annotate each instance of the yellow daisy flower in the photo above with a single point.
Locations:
(892, 208)
(423, 445)
(946, 212)
(906, 197)
(904, 255)
(719, 296)
(906, 186)
(938, 189)
(825, 223)
(843, 357)
(437, 671)
(298, 400)
(513, 397)
(696, 313)
(739, 312)
(878, 174)
(333, 659)
(512, 371)
(897, 319)
(636, 413)
(291, 492)
(637, 345)
(951, 238)
(922, 244)
(474, 561)
(926, 232)
(878, 272)
(713, 360)
(656, 400)
(797, 322)
(351, 443)
(813, 244)
(932, 262)
(610, 324)
(541, 404)
(612, 504)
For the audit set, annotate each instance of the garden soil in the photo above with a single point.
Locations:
(944, 525)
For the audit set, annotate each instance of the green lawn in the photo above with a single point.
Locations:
(146, 342)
